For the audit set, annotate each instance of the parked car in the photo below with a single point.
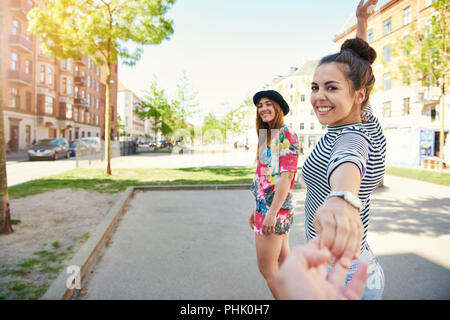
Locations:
(78, 146)
(93, 142)
(49, 149)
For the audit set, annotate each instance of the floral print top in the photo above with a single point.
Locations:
(280, 156)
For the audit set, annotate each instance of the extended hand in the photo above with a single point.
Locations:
(340, 228)
(304, 276)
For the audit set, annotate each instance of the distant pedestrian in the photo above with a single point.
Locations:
(273, 184)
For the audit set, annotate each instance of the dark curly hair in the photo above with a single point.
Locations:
(358, 55)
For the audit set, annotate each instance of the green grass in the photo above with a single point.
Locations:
(424, 175)
(97, 180)
(19, 281)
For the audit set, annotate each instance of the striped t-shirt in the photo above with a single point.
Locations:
(360, 143)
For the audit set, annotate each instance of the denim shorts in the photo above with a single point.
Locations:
(375, 282)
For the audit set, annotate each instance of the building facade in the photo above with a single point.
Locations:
(134, 127)
(408, 112)
(44, 97)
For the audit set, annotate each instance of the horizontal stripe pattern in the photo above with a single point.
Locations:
(364, 145)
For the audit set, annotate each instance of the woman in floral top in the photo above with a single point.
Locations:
(273, 184)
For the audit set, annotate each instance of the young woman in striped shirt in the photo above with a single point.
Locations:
(348, 163)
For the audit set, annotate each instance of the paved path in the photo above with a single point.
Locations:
(197, 245)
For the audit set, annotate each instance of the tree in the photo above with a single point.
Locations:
(5, 216)
(101, 29)
(431, 62)
(186, 101)
(157, 107)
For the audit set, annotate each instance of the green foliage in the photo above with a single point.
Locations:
(157, 107)
(426, 52)
(74, 28)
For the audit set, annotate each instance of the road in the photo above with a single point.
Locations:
(22, 171)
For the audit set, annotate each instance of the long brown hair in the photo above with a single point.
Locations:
(276, 123)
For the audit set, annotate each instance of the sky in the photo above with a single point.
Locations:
(229, 49)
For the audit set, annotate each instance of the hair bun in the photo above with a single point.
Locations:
(360, 48)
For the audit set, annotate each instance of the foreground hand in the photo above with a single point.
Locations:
(304, 276)
(340, 228)
(365, 10)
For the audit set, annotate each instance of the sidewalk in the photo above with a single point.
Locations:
(17, 156)
(194, 248)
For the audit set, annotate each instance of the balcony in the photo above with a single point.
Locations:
(81, 81)
(20, 77)
(21, 6)
(80, 102)
(20, 42)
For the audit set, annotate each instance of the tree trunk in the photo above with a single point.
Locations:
(442, 133)
(108, 120)
(5, 218)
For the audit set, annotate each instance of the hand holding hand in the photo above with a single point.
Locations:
(340, 228)
(304, 276)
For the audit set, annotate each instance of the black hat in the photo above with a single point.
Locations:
(272, 95)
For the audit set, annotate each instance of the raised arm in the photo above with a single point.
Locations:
(363, 12)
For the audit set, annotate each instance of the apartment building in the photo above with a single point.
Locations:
(295, 87)
(44, 97)
(408, 112)
(134, 126)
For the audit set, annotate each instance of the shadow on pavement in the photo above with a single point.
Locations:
(411, 277)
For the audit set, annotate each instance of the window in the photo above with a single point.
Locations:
(302, 98)
(88, 98)
(406, 16)
(406, 110)
(302, 125)
(75, 114)
(370, 36)
(311, 125)
(96, 120)
(77, 71)
(97, 104)
(387, 26)
(42, 74)
(69, 65)
(387, 109)
(14, 61)
(311, 142)
(76, 92)
(88, 117)
(14, 102)
(48, 105)
(387, 53)
(89, 81)
(15, 30)
(387, 82)
(82, 116)
(69, 85)
(27, 67)
(50, 76)
(69, 110)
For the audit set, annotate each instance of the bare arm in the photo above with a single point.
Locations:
(363, 12)
(281, 191)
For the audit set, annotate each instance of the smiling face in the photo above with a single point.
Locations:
(333, 98)
(266, 110)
